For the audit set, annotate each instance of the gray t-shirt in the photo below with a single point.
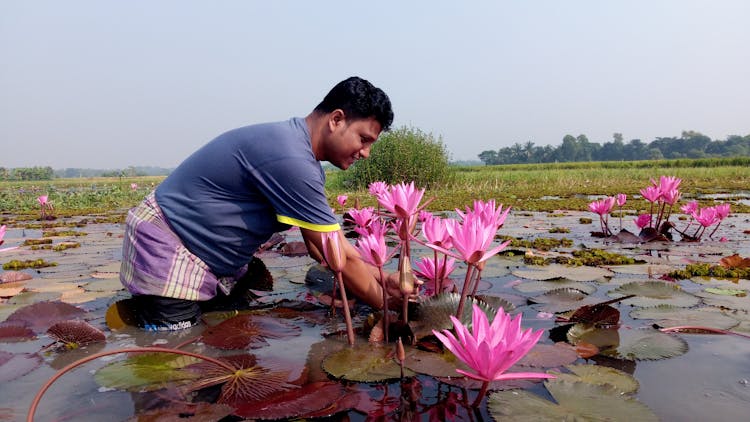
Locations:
(231, 195)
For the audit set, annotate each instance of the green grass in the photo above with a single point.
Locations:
(530, 187)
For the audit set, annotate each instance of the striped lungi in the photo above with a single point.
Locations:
(155, 262)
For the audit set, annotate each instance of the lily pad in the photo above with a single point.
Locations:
(364, 363)
(545, 286)
(599, 375)
(641, 269)
(544, 355)
(294, 403)
(15, 331)
(727, 292)
(75, 333)
(739, 303)
(575, 401)
(435, 312)
(629, 344)
(654, 293)
(14, 276)
(561, 300)
(40, 316)
(248, 332)
(670, 316)
(146, 372)
(434, 364)
(549, 272)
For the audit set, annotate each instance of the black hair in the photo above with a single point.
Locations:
(359, 99)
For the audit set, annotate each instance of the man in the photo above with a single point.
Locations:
(193, 238)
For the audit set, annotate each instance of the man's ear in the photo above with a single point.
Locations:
(336, 118)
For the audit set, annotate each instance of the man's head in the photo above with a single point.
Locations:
(359, 99)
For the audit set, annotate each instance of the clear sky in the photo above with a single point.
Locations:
(110, 84)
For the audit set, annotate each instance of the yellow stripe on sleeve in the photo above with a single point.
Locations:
(305, 225)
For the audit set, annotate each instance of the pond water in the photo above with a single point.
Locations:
(707, 381)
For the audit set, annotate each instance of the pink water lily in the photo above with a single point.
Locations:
(341, 199)
(372, 248)
(486, 212)
(667, 183)
(401, 199)
(377, 188)
(361, 217)
(435, 274)
(335, 258)
(134, 186)
(489, 350)
(722, 211)
(643, 221)
(651, 193)
(471, 239)
(621, 199)
(670, 196)
(43, 200)
(602, 206)
(690, 207)
(434, 229)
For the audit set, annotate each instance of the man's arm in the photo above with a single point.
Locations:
(360, 278)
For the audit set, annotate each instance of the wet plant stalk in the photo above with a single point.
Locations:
(386, 317)
(347, 316)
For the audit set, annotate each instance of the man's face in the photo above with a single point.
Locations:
(351, 140)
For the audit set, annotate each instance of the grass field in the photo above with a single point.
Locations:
(540, 187)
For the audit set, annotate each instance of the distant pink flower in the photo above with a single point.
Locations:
(377, 188)
(643, 220)
(134, 186)
(487, 212)
(603, 206)
(668, 183)
(689, 207)
(43, 200)
(651, 193)
(670, 196)
(2, 233)
(341, 199)
(361, 217)
(723, 239)
(423, 215)
(621, 199)
(491, 349)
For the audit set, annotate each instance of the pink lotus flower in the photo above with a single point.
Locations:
(43, 200)
(651, 193)
(722, 211)
(491, 349)
(373, 249)
(401, 199)
(427, 270)
(134, 186)
(486, 212)
(361, 217)
(435, 231)
(377, 188)
(667, 183)
(690, 207)
(643, 220)
(423, 215)
(341, 199)
(471, 239)
(621, 199)
(603, 206)
(670, 196)
(706, 216)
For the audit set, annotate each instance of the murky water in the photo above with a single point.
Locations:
(709, 382)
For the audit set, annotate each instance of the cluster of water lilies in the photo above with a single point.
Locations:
(491, 349)
(662, 197)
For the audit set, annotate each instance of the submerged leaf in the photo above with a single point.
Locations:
(435, 312)
(575, 401)
(738, 303)
(363, 363)
(599, 375)
(146, 372)
(293, 403)
(248, 332)
(545, 286)
(15, 331)
(561, 300)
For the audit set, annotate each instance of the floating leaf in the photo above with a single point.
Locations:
(75, 333)
(727, 292)
(641, 269)
(544, 355)
(723, 301)
(575, 401)
(435, 312)
(669, 316)
(561, 300)
(248, 332)
(654, 293)
(601, 314)
(15, 331)
(545, 286)
(176, 412)
(629, 344)
(40, 316)
(434, 364)
(16, 365)
(363, 363)
(293, 403)
(246, 381)
(549, 272)
(146, 372)
(536, 273)
(14, 276)
(11, 289)
(599, 375)
(734, 261)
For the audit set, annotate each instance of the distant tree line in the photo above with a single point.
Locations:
(26, 173)
(690, 145)
(46, 173)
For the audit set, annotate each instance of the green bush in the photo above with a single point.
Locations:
(402, 155)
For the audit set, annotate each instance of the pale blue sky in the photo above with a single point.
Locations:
(109, 84)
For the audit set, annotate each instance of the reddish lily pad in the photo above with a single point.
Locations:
(734, 261)
(16, 365)
(248, 332)
(13, 276)
(544, 355)
(75, 334)
(15, 331)
(294, 403)
(40, 316)
(187, 412)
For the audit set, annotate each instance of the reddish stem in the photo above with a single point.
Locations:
(151, 349)
(386, 317)
(464, 291)
(347, 316)
(482, 393)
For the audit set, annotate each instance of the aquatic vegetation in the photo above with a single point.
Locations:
(559, 230)
(588, 257)
(335, 258)
(34, 242)
(709, 270)
(16, 264)
(540, 243)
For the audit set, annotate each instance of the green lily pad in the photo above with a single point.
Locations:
(536, 273)
(670, 316)
(723, 301)
(724, 283)
(146, 372)
(629, 344)
(435, 312)
(434, 364)
(549, 272)
(575, 401)
(727, 292)
(599, 375)
(654, 293)
(561, 300)
(545, 286)
(641, 269)
(364, 363)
